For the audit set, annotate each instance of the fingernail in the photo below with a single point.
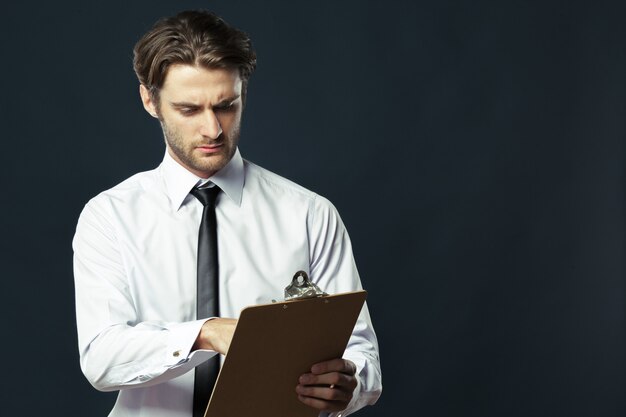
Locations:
(304, 379)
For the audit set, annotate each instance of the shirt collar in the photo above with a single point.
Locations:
(179, 181)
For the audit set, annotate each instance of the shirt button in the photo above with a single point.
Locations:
(176, 354)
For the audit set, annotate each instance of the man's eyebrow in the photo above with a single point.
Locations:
(229, 100)
(183, 104)
(226, 100)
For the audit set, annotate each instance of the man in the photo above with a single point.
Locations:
(136, 248)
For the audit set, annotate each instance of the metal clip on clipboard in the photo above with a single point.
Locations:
(302, 287)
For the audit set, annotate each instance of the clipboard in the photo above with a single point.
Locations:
(273, 345)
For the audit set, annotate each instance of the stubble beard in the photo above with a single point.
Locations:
(207, 164)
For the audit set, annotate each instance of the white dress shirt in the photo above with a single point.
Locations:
(135, 252)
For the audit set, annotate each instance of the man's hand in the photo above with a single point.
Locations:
(329, 386)
(216, 334)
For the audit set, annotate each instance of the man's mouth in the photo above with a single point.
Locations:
(211, 148)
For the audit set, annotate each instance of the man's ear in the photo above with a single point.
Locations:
(148, 102)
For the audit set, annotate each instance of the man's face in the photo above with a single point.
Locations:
(200, 113)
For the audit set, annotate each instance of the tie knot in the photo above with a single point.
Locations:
(206, 195)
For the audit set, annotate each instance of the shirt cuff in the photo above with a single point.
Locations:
(181, 339)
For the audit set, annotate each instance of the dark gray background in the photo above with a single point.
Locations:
(475, 150)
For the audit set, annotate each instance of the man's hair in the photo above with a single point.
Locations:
(192, 38)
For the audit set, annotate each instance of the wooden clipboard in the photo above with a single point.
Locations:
(273, 345)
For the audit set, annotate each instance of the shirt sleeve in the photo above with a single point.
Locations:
(116, 350)
(333, 269)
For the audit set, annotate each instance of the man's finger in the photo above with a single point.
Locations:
(324, 393)
(334, 365)
(337, 380)
(318, 404)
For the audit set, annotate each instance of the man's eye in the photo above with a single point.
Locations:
(187, 111)
(224, 107)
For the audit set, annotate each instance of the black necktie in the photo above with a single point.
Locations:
(207, 293)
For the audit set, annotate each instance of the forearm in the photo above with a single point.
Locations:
(146, 354)
(363, 351)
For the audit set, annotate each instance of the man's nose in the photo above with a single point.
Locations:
(211, 126)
